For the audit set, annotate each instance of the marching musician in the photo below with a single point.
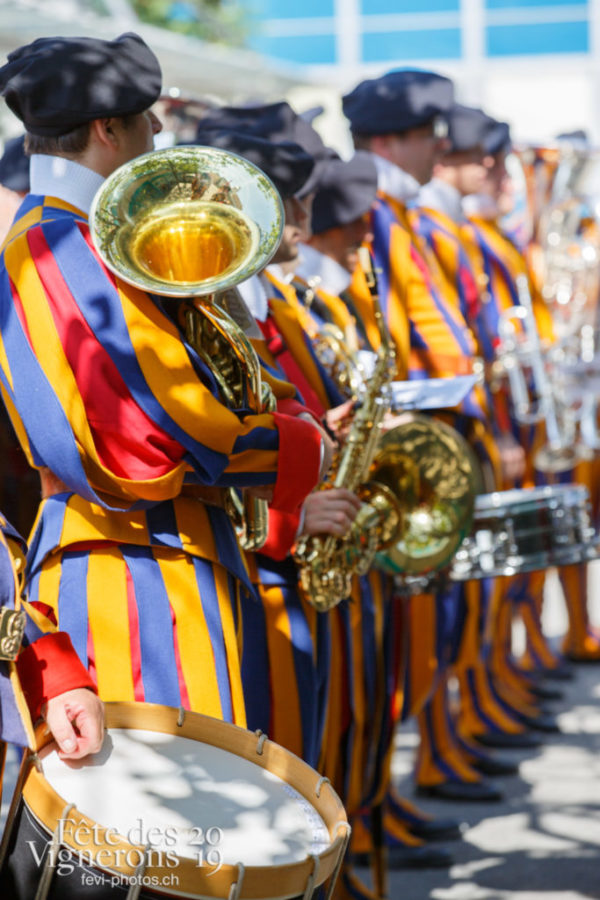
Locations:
(285, 647)
(399, 119)
(504, 262)
(489, 709)
(344, 195)
(133, 553)
(340, 225)
(40, 674)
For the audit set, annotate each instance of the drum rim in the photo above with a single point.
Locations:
(498, 501)
(280, 881)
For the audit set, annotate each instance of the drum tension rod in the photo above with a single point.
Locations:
(180, 716)
(236, 888)
(51, 856)
(312, 878)
(338, 865)
(135, 888)
(262, 737)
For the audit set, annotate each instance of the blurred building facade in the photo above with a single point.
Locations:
(534, 63)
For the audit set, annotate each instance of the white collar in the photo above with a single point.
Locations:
(322, 271)
(393, 180)
(480, 205)
(438, 194)
(55, 176)
(255, 296)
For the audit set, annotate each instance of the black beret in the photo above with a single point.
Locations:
(467, 127)
(497, 138)
(14, 166)
(285, 163)
(346, 192)
(275, 122)
(57, 83)
(397, 101)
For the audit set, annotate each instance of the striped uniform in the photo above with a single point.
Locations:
(285, 657)
(503, 262)
(105, 394)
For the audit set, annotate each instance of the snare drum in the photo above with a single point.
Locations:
(524, 530)
(175, 804)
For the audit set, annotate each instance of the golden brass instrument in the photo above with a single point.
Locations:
(190, 223)
(326, 562)
(425, 464)
(436, 476)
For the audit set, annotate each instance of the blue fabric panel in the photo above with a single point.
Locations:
(306, 676)
(72, 600)
(255, 665)
(210, 606)
(158, 663)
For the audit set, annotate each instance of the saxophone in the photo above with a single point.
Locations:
(327, 563)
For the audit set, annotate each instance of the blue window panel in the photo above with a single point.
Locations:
(405, 45)
(292, 9)
(519, 4)
(377, 7)
(548, 37)
(318, 49)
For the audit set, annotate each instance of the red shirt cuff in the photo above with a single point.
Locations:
(299, 462)
(283, 528)
(49, 667)
(289, 406)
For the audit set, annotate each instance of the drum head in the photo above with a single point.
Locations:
(193, 800)
(188, 797)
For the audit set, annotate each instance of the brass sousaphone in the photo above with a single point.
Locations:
(190, 223)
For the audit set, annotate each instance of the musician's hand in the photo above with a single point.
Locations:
(339, 419)
(76, 720)
(330, 512)
(512, 457)
(393, 420)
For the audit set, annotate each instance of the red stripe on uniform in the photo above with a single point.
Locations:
(127, 441)
(185, 700)
(134, 640)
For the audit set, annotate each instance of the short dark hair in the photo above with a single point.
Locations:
(74, 141)
(361, 141)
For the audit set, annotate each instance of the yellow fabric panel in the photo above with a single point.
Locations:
(288, 324)
(49, 583)
(421, 616)
(84, 521)
(109, 624)
(194, 639)
(232, 648)
(285, 706)
(182, 395)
